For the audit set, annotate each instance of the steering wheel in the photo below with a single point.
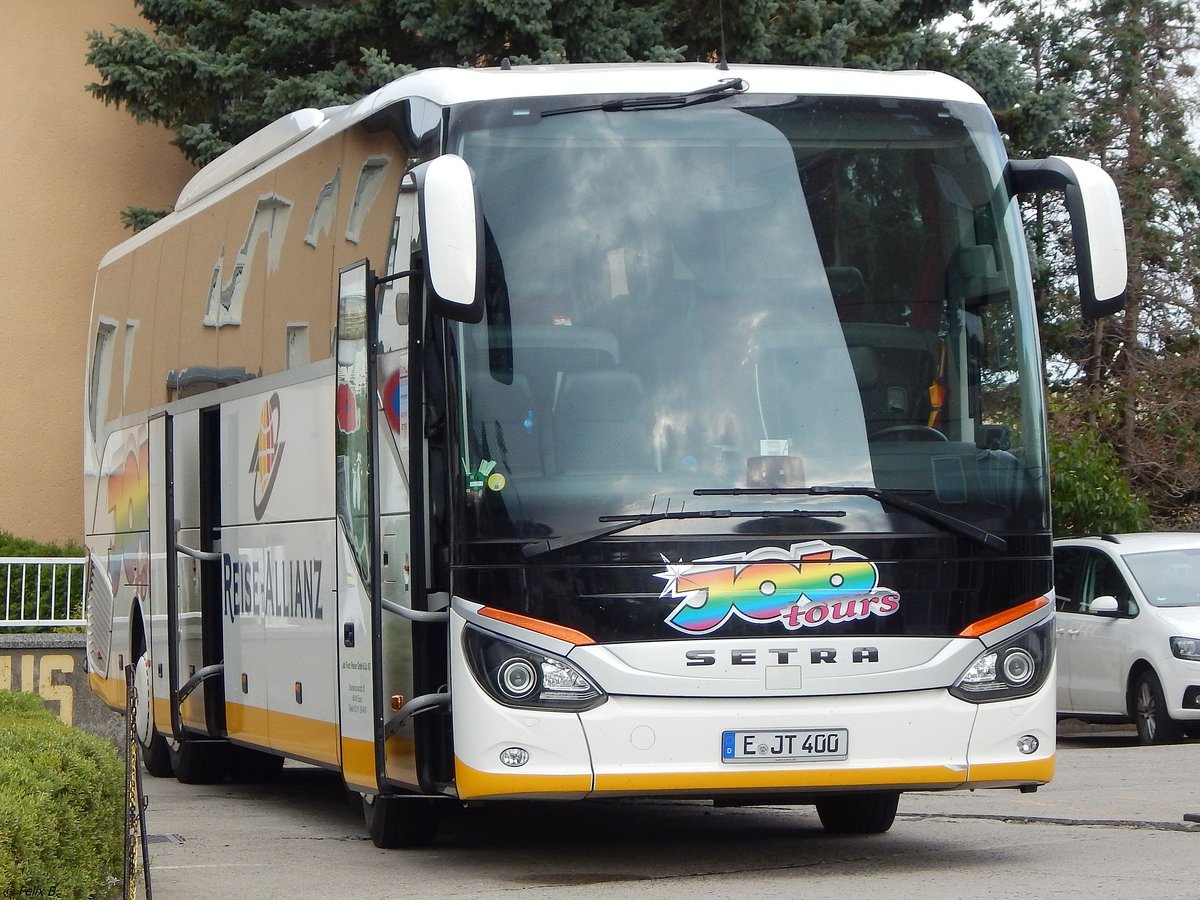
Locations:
(917, 432)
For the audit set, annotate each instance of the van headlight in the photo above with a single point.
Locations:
(1185, 647)
(523, 677)
(1016, 668)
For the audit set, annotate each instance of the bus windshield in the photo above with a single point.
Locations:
(722, 306)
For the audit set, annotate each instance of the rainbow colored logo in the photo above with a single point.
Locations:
(811, 584)
(128, 487)
(268, 451)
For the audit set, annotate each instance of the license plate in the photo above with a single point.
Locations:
(784, 745)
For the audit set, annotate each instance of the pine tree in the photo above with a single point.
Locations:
(215, 71)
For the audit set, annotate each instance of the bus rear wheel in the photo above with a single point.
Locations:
(869, 813)
(396, 821)
(200, 762)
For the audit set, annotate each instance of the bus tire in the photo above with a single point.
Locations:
(869, 813)
(249, 766)
(1154, 723)
(155, 753)
(400, 821)
(200, 762)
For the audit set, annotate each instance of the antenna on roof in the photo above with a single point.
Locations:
(723, 65)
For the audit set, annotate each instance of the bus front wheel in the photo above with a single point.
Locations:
(396, 821)
(156, 755)
(871, 813)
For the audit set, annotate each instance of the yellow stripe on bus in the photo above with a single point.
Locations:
(473, 784)
(1011, 774)
(310, 739)
(110, 690)
(746, 778)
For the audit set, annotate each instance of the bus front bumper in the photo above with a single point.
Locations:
(657, 746)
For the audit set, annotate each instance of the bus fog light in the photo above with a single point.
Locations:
(1018, 667)
(516, 756)
(517, 678)
(1027, 744)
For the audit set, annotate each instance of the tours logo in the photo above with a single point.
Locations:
(810, 584)
(268, 451)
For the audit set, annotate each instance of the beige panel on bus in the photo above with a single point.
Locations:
(298, 293)
(144, 309)
(250, 253)
(111, 306)
(197, 344)
(169, 352)
(374, 165)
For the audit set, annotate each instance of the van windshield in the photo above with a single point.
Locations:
(761, 292)
(1167, 577)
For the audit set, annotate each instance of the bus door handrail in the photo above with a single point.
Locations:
(414, 707)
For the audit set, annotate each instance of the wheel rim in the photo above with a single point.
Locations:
(143, 712)
(1147, 709)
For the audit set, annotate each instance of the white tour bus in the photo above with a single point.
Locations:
(590, 431)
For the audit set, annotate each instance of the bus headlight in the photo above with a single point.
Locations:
(1016, 668)
(523, 677)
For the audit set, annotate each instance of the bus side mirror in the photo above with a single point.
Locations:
(452, 232)
(1096, 226)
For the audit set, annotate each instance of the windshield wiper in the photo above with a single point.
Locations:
(724, 88)
(620, 523)
(948, 522)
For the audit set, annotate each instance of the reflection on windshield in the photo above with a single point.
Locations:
(806, 294)
(1168, 577)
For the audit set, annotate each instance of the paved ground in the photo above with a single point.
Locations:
(1112, 823)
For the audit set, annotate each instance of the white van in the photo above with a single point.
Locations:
(1129, 631)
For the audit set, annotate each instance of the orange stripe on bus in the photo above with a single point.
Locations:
(991, 623)
(562, 632)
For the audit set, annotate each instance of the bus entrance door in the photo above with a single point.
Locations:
(184, 534)
(359, 689)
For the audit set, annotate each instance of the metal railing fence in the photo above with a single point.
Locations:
(42, 592)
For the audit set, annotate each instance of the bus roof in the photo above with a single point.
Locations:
(449, 86)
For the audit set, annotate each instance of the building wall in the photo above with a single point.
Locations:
(69, 166)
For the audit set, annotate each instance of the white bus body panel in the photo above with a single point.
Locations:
(638, 745)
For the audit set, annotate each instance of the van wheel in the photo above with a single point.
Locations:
(395, 821)
(1154, 725)
(200, 762)
(871, 813)
(156, 755)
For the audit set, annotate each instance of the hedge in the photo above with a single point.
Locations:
(61, 806)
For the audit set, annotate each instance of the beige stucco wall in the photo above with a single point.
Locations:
(69, 165)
